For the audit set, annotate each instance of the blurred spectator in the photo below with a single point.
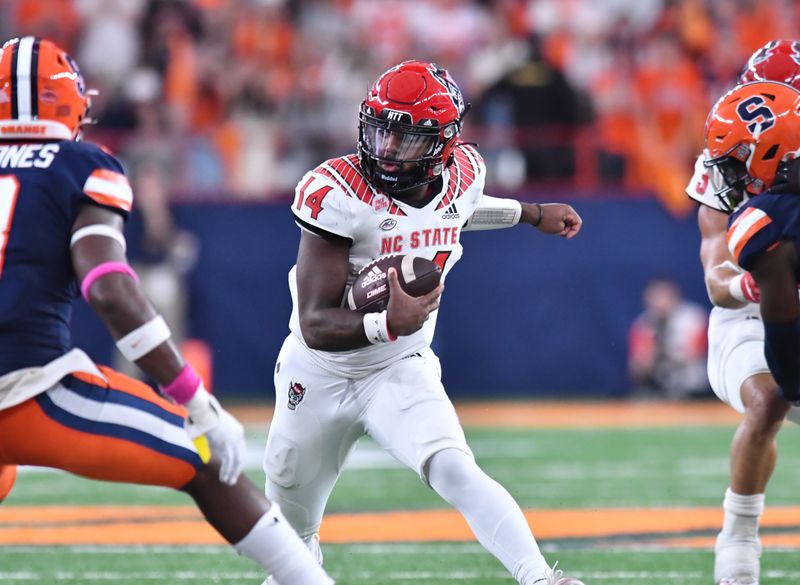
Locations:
(667, 344)
(531, 101)
(161, 253)
(249, 93)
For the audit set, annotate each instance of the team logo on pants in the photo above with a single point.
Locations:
(296, 394)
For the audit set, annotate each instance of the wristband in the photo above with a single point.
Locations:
(739, 288)
(541, 215)
(102, 270)
(144, 339)
(376, 327)
(184, 387)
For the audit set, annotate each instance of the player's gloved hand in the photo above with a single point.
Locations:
(406, 314)
(224, 433)
(787, 179)
(744, 289)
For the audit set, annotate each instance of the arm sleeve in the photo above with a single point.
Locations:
(321, 205)
(494, 213)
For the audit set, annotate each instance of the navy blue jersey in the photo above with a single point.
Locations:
(761, 224)
(42, 188)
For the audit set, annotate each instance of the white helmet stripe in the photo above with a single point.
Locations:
(23, 75)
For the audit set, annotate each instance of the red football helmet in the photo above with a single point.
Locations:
(42, 92)
(409, 125)
(775, 61)
(751, 132)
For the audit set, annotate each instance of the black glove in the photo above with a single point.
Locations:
(787, 179)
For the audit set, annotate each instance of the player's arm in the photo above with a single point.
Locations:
(774, 271)
(322, 265)
(111, 288)
(727, 285)
(549, 218)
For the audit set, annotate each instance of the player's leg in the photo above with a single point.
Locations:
(413, 419)
(314, 428)
(740, 376)
(121, 430)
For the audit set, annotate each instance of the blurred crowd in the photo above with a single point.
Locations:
(238, 98)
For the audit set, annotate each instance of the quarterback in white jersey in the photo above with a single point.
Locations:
(737, 368)
(412, 188)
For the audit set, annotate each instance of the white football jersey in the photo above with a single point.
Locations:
(704, 183)
(701, 188)
(337, 198)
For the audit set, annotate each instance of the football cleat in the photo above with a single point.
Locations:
(736, 561)
(556, 577)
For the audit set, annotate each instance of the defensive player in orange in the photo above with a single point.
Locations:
(737, 368)
(63, 203)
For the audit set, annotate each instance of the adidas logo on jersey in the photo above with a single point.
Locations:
(451, 213)
(374, 276)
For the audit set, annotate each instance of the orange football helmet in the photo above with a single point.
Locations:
(750, 133)
(42, 92)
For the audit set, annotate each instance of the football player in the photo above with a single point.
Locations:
(737, 368)
(412, 187)
(63, 203)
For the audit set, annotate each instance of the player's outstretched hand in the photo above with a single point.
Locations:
(224, 433)
(406, 314)
(561, 219)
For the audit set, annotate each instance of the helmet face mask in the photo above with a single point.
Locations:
(731, 181)
(408, 127)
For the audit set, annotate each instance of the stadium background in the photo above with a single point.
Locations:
(217, 108)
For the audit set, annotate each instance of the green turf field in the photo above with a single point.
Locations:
(561, 468)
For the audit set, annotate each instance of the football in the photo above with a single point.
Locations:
(370, 290)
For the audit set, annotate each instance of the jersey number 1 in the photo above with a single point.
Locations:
(9, 190)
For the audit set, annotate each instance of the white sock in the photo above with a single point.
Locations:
(494, 517)
(274, 545)
(742, 514)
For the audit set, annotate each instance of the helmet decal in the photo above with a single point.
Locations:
(447, 82)
(24, 75)
(755, 111)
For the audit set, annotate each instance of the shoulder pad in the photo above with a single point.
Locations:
(467, 168)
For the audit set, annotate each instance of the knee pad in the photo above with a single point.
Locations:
(280, 460)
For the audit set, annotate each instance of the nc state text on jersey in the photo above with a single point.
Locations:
(420, 238)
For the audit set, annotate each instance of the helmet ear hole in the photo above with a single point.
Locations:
(770, 154)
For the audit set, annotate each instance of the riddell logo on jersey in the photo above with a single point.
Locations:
(374, 276)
